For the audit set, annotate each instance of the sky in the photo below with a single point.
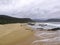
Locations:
(35, 9)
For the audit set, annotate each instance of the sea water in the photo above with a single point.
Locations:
(47, 37)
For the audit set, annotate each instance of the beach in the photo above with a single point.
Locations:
(16, 34)
(21, 34)
(47, 38)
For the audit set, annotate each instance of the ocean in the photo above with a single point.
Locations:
(47, 37)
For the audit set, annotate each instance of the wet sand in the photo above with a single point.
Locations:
(47, 38)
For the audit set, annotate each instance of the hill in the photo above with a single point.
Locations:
(53, 20)
(38, 20)
(7, 19)
(48, 20)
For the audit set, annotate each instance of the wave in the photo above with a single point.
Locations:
(47, 38)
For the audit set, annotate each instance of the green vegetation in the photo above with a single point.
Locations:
(7, 19)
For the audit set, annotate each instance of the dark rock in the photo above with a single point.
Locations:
(54, 29)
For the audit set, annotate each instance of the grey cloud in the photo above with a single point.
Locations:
(31, 8)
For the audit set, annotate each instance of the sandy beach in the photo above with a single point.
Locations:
(16, 34)
(21, 34)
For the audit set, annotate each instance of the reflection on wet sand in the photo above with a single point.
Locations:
(47, 38)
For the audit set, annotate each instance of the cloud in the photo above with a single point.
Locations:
(45, 9)
(31, 8)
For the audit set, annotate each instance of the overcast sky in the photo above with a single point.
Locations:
(40, 9)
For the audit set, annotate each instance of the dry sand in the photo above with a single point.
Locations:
(16, 34)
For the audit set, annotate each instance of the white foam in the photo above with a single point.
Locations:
(48, 38)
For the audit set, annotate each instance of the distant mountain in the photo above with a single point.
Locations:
(48, 20)
(38, 20)
(7, 19)
(53, 20)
